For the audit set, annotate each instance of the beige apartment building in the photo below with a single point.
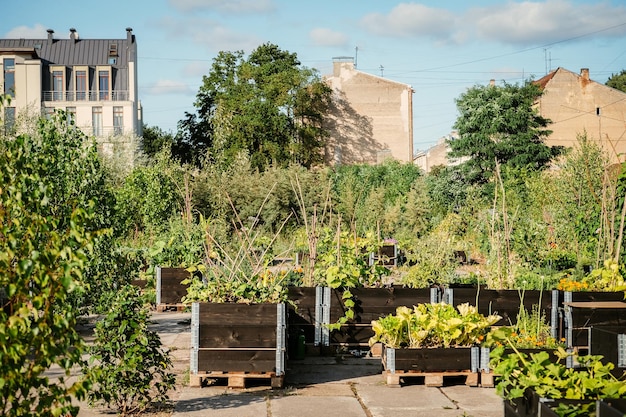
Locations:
(576, 104)
(371, 119)
(93, 80)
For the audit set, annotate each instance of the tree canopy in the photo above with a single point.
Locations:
(265, 106)
(498, 124)
(618, 81)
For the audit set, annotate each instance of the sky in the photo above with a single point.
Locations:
(440, 48)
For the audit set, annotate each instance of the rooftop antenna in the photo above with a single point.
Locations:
(381, 71)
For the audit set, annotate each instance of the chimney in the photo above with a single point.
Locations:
(73, 34)
(584, 72)
(50, 36)
(129, 35)
(340, 62)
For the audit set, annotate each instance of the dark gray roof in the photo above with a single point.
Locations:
(72, 52)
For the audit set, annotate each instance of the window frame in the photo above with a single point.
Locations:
(96, 120)
(58, 95)
(104, 94)
(118, 120)
(8, 90)
(81, 95)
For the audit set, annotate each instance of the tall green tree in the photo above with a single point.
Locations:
(266, 107)
(498, 124)
(618, 81)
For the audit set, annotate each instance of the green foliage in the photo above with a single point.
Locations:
(499, 125)
(592, 380)
(129, 367)
(149, 196)
(432, 257)
(618, 81)
(265, 107)
(531, 331)
(47, 226)
(432, 325)
(607, 278)
(154, 140)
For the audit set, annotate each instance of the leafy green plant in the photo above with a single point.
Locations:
(342, 263)
(240, 270)
(432, 325)
(45, 242)
(531, 331)
(129, 367)
(519, 372)
(607, 278)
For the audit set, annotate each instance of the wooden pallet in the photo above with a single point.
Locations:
(487, 379)
(236, 379)
(170, 307)
(431, 379)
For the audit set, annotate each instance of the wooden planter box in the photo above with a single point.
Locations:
(311, 309)
(531, 405)
(371, 304)
(433, 364)
(506, 303)
(169, 290)
(587, 309)
(238, 342)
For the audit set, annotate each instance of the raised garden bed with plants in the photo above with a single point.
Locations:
(433, 341)
(238, 342)
(528, 380)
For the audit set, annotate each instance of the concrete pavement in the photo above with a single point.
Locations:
(342, 386)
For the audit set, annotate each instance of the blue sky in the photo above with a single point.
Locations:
(440, 48)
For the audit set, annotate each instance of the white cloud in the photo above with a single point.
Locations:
(24, 32)
(412, 20)
(328, 37)
(513, 22)
(162, 87)
(225, 6)
(528, 22)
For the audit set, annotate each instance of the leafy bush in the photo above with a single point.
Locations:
(518, 372)
(129, 367)
(45, 239)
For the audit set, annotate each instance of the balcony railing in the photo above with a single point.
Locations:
(116, 95)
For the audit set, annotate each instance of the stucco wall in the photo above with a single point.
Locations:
(371, 118)
(575, 104)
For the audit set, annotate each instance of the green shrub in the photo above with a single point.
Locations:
(128, 366)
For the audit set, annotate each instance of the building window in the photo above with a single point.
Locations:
(118, 120)
(96, 120)
(9, 76)
(103, 84)
(81, 85)
(70, 113)
(57, 84)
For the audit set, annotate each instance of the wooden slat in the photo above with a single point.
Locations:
(237, 361)
(374, 303)
(237, 335)
(227, 314)
(432, 359)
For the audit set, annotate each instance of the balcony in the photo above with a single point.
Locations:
(117, 95)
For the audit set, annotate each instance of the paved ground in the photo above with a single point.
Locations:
(342, 386)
